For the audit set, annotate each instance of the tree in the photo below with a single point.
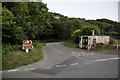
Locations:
(110, 25)
(59, 29)
(86, 30)
(40, 18)
(104, 26)
(11, 32)
(74, 24)
(33, 18)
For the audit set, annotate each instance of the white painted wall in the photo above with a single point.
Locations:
(99, 39)
(102, 39)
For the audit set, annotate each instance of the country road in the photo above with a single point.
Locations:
(63, 62)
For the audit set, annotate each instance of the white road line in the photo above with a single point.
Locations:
(92, 53)
(105, 59)
(60, 65)
(83, 52)
(13, 70)
(49, 67)
(29, 69)
(74, 64)
(76, 55)
(47, 44)
(74, 52)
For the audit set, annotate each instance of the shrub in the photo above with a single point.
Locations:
(75, 35)
(86, 30)
(112, 41)
(6, 48)
(113, 34)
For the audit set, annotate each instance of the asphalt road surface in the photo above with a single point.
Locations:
(63, 62)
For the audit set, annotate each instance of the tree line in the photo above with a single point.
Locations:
(31, 20)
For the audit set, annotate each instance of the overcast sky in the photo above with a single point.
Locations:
(88, 9)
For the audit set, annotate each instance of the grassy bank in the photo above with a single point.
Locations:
(0, 57)
(70, 44)
(17, 57)
(111, 47)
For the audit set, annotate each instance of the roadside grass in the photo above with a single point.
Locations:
(16, 58)
(51, 40)
(117, 41)
(70, 44)
(0, 57)
(111, 48)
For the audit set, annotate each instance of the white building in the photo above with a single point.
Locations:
(87, 42)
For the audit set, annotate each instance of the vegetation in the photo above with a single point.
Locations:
(86, 30)
(0, 57)
(106, 48)
(70, 44)
(15, 58)
(76, 35)
(27, 20)
(30, 20)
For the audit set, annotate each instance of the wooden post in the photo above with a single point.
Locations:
(117, 47)
(26, 50)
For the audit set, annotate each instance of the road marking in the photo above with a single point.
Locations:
(74, 52)
(74, 64)
(89, 53)
(47, 44)
(83, 52)
(49, 67)
(92, 53)
(60, 65)
(51, 43)
(29, 69)
(105, 59)
(76, 55)
(13, 70)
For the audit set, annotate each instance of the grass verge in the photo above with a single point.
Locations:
(0, 57)
(70, 44)
(13, 59)
(109, 47)
(100, 48)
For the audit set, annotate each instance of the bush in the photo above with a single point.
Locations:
(75, 35)
(70, 44)
(86, 30)
(112, 41)
(8, 48)
(113, 34)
